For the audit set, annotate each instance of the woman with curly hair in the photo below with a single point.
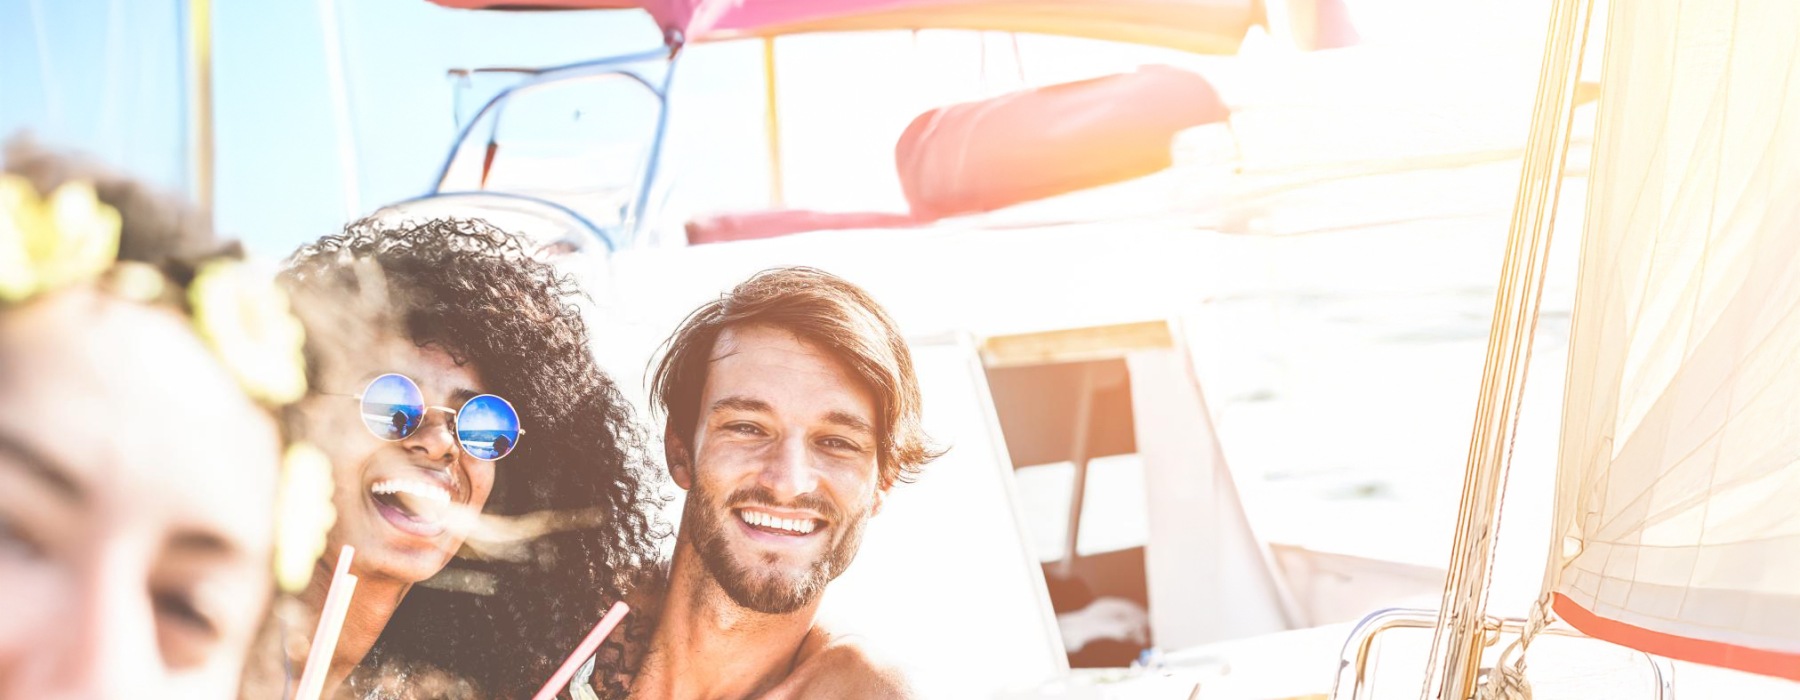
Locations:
(493, 405)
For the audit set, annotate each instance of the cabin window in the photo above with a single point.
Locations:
(1068, 424)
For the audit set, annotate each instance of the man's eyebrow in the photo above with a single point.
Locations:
(47, 470)
(204, 543)
(462, 395)
(742, 403)
(850, 421)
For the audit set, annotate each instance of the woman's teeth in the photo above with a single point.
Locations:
(799, 526)
(421, 489)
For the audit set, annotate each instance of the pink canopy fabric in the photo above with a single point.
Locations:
(1201, 26)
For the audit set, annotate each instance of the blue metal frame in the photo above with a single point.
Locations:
(587, 223)
(625, 65)
(652, 168)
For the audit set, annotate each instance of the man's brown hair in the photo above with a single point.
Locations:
(819, 308)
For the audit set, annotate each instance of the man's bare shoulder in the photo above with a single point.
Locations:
(839, 666)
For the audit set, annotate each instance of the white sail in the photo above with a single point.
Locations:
(1678, 495)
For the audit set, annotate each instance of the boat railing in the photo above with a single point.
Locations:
(1353, 681)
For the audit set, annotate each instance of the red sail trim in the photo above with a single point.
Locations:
(1760, 661)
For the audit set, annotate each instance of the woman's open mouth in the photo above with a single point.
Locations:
(413, 506)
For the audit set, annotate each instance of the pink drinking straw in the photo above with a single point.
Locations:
(583, 650)
(331, 623)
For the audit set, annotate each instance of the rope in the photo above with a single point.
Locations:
(1460, 632)
(1505, 683)
(1549, 222)
(1508, 681)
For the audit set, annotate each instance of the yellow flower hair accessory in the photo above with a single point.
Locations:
(136, 281)
(303, 514)
(49, 243)
(70, 237)
(246, 320)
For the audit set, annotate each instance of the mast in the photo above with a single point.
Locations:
(1461, 634)
(772, 116)
(200, 103)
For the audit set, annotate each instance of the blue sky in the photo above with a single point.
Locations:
(107, 77)
(119, 98)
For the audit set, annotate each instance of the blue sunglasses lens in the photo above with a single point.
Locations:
(488, 427)
(392, 407)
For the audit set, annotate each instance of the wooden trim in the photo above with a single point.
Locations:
(1076, 344)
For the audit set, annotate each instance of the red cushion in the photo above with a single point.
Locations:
(744, 226)
(1029, 145)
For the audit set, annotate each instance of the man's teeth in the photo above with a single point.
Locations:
(420, 489)
(803, 526)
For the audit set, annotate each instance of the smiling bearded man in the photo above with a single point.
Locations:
(792, 408)
(753, 489)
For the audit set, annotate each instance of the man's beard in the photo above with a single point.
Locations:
(771, 593)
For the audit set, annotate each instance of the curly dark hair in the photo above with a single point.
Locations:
(474, 291)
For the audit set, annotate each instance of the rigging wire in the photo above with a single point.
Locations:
(109, 137)
(1460, 634)
(46, 74)
(330, 30)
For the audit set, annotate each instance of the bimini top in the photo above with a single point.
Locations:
(1201, 26)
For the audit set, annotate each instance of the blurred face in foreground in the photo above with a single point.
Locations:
(136, 486)
(785, 470)
(405, 502)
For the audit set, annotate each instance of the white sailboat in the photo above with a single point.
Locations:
(1671, 533)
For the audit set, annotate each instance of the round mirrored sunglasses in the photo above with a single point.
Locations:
(393, 408)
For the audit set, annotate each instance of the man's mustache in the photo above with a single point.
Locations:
(762, 496)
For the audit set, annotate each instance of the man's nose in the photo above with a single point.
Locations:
(435, 439)
(791, 472)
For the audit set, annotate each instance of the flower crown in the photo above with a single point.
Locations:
(71, 238)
